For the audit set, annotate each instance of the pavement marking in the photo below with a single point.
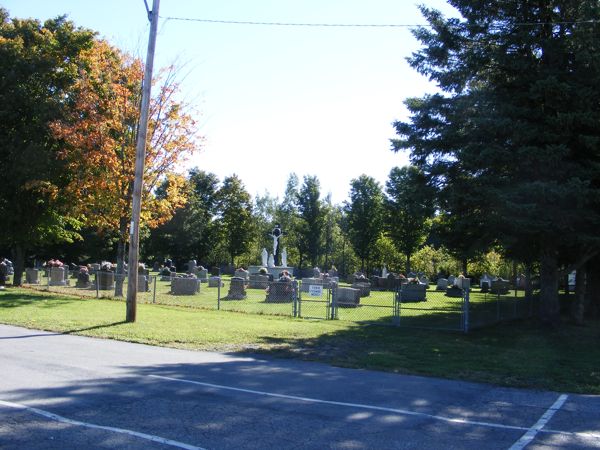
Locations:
(351, 405)
(537, 427)
(62, 419)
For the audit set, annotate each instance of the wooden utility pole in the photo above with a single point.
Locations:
(140, 157)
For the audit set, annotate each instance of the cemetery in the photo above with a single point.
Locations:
(445, 303)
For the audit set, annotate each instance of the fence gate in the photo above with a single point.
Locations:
(314, 302)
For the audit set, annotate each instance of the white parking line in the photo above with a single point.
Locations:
(62, 419)
(535, 429)
(350, 405)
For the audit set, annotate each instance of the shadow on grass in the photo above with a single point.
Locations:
(15, 300)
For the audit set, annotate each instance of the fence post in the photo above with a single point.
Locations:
(154, 291)
(97, 285)
(299, 309)
(396, 315)
(295, 299)
(466, 311)
(333, 302)
(219, 294)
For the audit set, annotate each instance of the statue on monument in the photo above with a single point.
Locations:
(276, 235)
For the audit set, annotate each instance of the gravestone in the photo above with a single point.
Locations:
(308, 282)
(10, 269)
(202, 275)
(462, 282)
(413, 293)
(451, 279)
(191, 266)
(347, 297)
(165, 274)
(242, 273)
(485, 279)
(32, 276)
(237, 289)
(143, 283)
(499, 287)
(58, 276)
(442, 284)
(105, 280)
(281, 292)
(215, 282)
(83, 279)
(363, 287)
(258, 281)
(454, 291)
(3, 274)
(184, 286)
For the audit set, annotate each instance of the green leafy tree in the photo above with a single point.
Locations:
(409, 209)
(286, 215)
(310, 221)
(234, 223)
(189, 233)
(518, 119)
(39, 65)
(365, 217)
(265, 208)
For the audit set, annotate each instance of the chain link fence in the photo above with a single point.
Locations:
(406, 305)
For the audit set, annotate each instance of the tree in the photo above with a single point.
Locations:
(409, 208)
(39, 66)
(365, 217)
(518, 119)
(310, 223)
(234, 222)
(190, 232)
(99, 141)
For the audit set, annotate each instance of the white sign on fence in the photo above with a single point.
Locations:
(315, 290)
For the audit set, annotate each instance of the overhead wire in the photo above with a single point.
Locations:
(352, 25)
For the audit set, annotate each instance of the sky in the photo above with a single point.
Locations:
(272, 100)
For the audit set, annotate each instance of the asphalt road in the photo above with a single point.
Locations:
(70, 392)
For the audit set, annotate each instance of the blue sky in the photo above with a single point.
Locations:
(275, 100)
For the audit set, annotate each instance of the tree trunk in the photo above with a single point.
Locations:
(528, 284)
(407, 264)
(578, 308)
(592, 291)
(549, 304)
(464, 263)
(120, 275)
(18, 264)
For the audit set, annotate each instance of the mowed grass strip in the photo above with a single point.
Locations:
(519, 354)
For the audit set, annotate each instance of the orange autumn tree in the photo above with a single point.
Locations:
(99, 144)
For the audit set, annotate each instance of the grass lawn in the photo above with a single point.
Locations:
(519, 354)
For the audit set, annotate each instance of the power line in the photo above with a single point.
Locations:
(356, 25)
(295, 24)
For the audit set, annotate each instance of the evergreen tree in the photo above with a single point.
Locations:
(517, 119)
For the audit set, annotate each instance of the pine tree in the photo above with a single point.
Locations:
(518, 118)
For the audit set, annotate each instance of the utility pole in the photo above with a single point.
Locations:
(140, 157)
